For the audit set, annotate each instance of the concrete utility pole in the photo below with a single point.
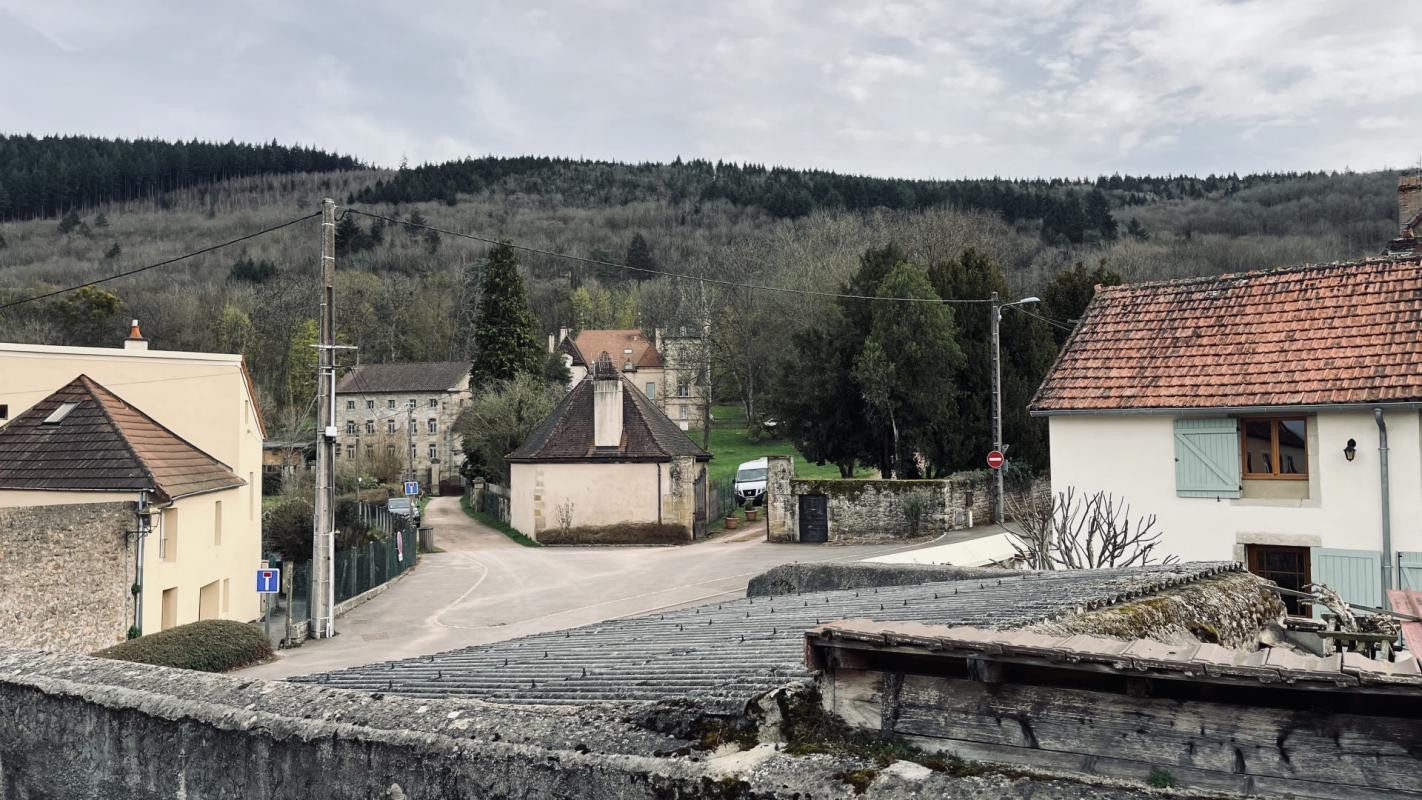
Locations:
(997, 306)
(323, 562)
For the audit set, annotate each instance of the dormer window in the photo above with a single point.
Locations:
(56, 416)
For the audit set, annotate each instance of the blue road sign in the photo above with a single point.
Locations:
(268, 581)
(412, 487)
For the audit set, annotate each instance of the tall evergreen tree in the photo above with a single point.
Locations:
(1098, 215)
(1067, 294)
(506, 333)
(639, 258)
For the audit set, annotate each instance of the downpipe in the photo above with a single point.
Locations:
(1386, 505)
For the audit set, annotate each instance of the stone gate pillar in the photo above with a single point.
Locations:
(779, 500)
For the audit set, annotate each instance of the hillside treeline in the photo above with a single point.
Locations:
(51, 175)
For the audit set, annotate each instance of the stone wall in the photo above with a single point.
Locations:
(876, 509)
(66, 573)
(82, 727)
(829, 576)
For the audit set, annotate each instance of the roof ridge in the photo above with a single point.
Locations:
(1261, 273)
(90, 385)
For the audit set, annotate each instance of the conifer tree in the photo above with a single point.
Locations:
(639, 258)
(506, 333)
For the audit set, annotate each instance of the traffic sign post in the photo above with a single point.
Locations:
(412, 488)
(995, 460)
(268, 584)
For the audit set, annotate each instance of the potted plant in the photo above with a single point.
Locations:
(751, 511)
(733, 522)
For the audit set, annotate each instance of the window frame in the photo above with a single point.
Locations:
(1254, 558)
(1275, 475)
(432, 425)
(350, 405)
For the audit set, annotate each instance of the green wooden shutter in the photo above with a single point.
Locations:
(1409, 571)
(1355, 574)
(1206, 457)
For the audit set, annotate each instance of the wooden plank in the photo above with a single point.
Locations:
(1123, 768)
(1336, 748)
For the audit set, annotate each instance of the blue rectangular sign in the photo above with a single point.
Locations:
(412, 487)
(268, 581)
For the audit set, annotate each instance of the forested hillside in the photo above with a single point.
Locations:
(406, 293)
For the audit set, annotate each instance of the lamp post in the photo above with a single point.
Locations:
(997, 307)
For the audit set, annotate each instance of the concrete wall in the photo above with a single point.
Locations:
(601, 494)
(1133, 457)
(66, 572)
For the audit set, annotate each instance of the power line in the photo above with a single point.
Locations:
(165, 263)
(1066, 326)
(663, 273)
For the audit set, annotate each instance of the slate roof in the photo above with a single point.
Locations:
(590, 344)
(567, 433)
(724, 654)
(1316, 335)
(426, 376)
(103, 444)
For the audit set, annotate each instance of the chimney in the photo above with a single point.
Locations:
(135, 340)
(658, 334)
(562, 334)
(1409, 203)
(607, 403)
(552, 345)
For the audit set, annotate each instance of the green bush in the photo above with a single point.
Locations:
(212, 645)
(630, 533)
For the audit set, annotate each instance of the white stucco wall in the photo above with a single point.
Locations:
(1133, 457)
(601, 494)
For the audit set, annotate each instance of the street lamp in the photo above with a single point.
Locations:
(997, 307)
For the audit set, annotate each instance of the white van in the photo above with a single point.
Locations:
(750, 481)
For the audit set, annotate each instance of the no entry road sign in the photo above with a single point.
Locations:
(412, 487)
(268, 581)
(995, 460)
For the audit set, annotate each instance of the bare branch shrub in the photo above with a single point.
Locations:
(1097, 531)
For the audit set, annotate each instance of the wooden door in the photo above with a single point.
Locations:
(814, 518)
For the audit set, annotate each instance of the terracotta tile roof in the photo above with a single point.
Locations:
(567, 433)
(1316, 335)
(102, 444)
(590, 344)
(428, 376)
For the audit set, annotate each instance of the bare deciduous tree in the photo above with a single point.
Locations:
(1096, 531)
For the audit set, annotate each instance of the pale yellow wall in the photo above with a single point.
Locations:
(1133, 457)
(203, 398)
(601, 494)
(200, 561)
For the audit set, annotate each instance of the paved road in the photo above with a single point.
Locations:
(486, 588)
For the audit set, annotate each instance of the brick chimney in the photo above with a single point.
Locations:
(607, 403)
(135, 340)
(1409, 209)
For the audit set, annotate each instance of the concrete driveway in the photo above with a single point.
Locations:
(486, 588)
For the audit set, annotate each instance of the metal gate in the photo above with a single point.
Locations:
(698, 524)
(814, 518)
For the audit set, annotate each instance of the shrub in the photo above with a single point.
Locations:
(631, 533)
(915, 505)
(213, 645)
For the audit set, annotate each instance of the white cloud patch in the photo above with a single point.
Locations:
(909, 87)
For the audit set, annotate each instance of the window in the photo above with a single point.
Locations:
(370, 404)
(170, 608)
(389, 426)
(683, 389)
(4, 410)
(370, 426)
(390, 403)
(1273, 448)
(1289, 567)
(434, 452)
(389, 449)
(217, 523)
(414, 428)
(336, 451)
(168, 535)
(350, 405)
(433, 425)
(350, 451)
(370, 451)
(434, 402)
(412, 402)
(350, 426)
(226, 596)
(684, 413)
(412, 452)
(57, 415)
(652, 389)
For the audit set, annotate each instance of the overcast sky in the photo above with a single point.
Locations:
(918, 89)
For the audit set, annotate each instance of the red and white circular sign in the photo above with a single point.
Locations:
(996, 460)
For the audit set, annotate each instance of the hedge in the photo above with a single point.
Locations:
(213, 645)
(629, 533)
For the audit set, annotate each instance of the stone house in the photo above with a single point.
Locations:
(73, 457)
(666, 369)
(403, 413)
(1269, 417)
(605, 459)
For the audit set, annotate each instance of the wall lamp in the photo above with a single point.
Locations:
(1351, 450)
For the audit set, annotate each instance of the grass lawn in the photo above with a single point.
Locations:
(730, 447)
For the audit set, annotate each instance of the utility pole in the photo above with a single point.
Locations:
(997, 515)
(997, 306)
(323, 548)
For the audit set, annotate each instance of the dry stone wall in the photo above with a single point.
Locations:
(66, 572)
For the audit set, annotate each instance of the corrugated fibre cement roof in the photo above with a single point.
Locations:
(722, 655)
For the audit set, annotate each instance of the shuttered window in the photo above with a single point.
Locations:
(1409, 571)
(1355, 574)
(1206, 458)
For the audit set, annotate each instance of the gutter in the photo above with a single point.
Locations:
(1208, 411)
(1386, 504)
